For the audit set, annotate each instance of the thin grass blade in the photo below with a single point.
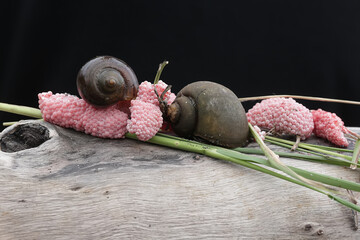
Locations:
(325, 179)
(337, 149)
(315, 158)
(311, 148)
(356, 154)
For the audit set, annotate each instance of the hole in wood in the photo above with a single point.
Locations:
(24, 136)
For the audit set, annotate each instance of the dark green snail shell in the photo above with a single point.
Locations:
(106, 80)
(212, 112)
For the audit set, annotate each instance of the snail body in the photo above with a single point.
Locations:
(209, 111)
(105, 80)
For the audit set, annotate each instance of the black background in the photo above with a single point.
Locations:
(253, 47)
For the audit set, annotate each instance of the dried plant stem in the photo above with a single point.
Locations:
(355, 213)
(159, 71)
(295, 146)
(320, 99)
(356, 155)
(353, 134)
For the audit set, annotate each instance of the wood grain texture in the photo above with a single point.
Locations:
(74, 186)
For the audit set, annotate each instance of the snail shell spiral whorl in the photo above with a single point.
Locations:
(105, 80)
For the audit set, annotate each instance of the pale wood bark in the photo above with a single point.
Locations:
(75, 186)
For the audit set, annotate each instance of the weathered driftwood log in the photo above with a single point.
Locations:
(75, 186)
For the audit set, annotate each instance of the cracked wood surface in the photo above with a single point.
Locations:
(74, 186)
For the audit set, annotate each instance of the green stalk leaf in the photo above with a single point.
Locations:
(329, 180)
(336, 149)
(6, 124)
(159, 71)
(315, 158)
(356, 154)
(326, 179)
(173, 143)
(288, 146)
(345, 202)
(321, 156)
(21, 110)
(316, 149)
(275, 161)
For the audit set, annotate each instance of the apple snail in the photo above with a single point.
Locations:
(211, 112)
(105, 80)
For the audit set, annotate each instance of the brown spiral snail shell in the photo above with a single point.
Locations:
(211, 112)
(105, 80)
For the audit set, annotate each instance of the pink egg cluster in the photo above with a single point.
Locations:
(146, 117)
(71, 112)
(329, 126)
(64, 110)
(147, 94)
(282, 116)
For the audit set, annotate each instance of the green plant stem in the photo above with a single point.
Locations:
(315, 158)
(21, 110)
(330, 148)
(333, 181)
(6, 124)
(281, 144)
(302, 145)
(159, 71)
(356, 154)
(330, 159)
